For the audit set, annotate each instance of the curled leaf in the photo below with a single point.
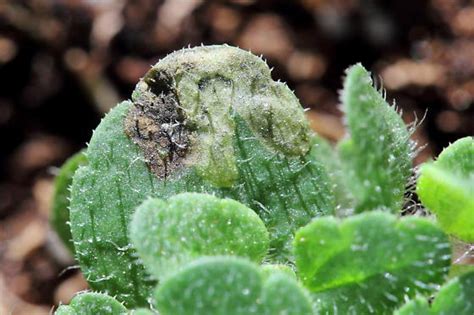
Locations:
(446, 187)
(377, 156)
(60, 212)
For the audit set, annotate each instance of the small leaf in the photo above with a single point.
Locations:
(368, 263)
(91, 303)
(230, 286)
(168, 234)
(456, 297)
(271, 269)
(60, 211)
(446, 187)
(377, 156)
(282, 295)
(331, 160)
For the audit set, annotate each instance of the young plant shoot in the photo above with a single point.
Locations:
(208, 194)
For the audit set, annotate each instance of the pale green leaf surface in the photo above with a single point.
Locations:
(454, 298)
(60, 204)
(417, 306)
(168, 234)
(377, 155)
(142, 311)
(230, 286)
(270, 269)
(446, 187)
(458, 269)
(331, 160)
(368, 263)
(91, 303)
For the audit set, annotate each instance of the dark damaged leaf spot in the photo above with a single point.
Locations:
(155, 124)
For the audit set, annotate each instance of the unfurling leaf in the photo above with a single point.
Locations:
(377, 155)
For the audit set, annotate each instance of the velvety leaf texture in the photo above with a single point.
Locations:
(207, 119)
(456, 298)
(91, 303)
(377, 154)
(168, 234)
(368, 263)
(60, 210)
(446, 187)
(331, 161)
(230, 286)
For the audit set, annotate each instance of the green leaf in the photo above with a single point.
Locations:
(331, 161)
(230, 286)
(270, 269)
(446, 187)
(368, 263)
(377, 155)
(455, 297)
(59, 219)
(458, 269)
(169, 234)
(207, 119)
(417, 306)
(142, 311)
(91, 303)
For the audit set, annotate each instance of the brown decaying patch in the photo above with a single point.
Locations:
(157, 126)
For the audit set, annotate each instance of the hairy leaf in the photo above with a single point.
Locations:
(230, 286)
(446, 187)
(60, 212)
(169, 234)
(377, 155)
(91, 303)
(331, 161)
(368, 263)
(207, 119)
(455, 297)
(270, 269)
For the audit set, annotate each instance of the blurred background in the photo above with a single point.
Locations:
(64, 63)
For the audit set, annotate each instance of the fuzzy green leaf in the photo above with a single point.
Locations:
(270, 269)
(446, 187)
(455, 297)
(377, 155)
(60, 211)
(368, 263)
(207, 119)
(331, 161)
(230, 286)
(91, 303)
(417, 306)
(169, 234)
